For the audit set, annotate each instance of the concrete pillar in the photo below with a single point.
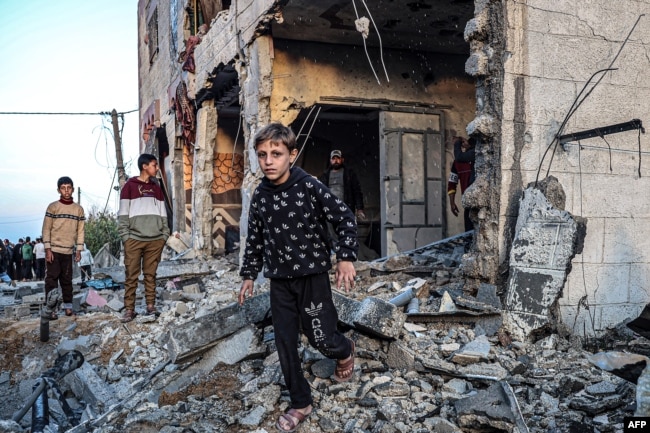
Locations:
(177, 185)
(257, 83)
(202, 178)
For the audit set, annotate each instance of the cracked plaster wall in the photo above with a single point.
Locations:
(233, 34)
(530, 69)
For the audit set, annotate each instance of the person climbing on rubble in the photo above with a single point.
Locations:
(142, 226)
(462, 171)
(63, 231)
(287, 235)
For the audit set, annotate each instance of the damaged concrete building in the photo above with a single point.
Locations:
(554, 92)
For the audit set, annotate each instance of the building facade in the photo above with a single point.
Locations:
(390, 84)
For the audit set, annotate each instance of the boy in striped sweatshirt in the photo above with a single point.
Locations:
(142, 225)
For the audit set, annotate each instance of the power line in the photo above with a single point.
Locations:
(101, 113)
(20, 222)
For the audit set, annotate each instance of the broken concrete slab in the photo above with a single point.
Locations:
(541, 253)
(487, 409)
(372, 315)
(490, 322)
(200, 334)
(89, 387)
(628, 366)
(473, 352)
(243, 344)
(400, 356)
(166, 269)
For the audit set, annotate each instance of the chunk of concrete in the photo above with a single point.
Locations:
(198, 335)
(487, 409)
(400, 356)
(372, 315)
(628, 366)
(542, 250)
(473, 352)
(17, 311)
(86, 384)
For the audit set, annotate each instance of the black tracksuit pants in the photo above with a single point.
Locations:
(304, 303)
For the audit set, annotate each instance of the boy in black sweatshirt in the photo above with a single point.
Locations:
(287, 233)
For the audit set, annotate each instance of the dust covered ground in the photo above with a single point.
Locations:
(416, 383)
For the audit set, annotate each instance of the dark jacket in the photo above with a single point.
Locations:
(5, 258)
(287, 230)
(18, 252)
(352, 195)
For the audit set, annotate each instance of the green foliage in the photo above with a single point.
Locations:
(101, 228)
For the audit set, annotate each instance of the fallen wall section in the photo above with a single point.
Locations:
(544, 244)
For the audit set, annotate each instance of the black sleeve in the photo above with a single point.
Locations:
(357, 194)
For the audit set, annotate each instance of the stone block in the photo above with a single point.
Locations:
(541, 253)
(115, 304)
(89, 387)
(22, 291)
(80, 344)
(176, 295)
(38, 298)
(200, 334)
(192, 289)
(372, 315)
(400, 357)
(487, 409)
(17, 311)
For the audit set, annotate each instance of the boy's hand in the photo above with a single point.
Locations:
(246, 289)
(49, 256)
(77, 256)
(345, 274)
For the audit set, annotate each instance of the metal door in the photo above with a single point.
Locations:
(413, 184)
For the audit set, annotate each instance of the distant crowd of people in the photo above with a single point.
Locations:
(25, 261)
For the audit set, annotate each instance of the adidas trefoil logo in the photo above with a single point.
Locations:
(314, 310)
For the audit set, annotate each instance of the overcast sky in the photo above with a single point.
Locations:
(70, 56)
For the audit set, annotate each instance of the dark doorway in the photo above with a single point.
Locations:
(355, 132)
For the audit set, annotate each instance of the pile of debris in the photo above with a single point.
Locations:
(431, 357)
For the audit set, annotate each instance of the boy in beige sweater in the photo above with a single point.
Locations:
(63, 234)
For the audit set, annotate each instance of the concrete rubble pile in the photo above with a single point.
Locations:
(207, 365)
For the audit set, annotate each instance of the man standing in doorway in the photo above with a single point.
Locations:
(344, 183)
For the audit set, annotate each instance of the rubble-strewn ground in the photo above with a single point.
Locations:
(444, 376)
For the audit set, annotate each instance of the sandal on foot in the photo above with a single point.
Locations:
(69, 312)
(290, 417)
(345, 367)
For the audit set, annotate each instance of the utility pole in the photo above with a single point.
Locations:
(121, 175)
(79, 196)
